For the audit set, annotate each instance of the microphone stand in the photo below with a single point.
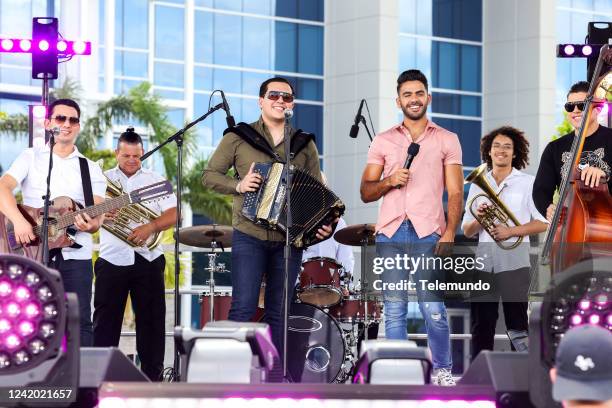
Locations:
(44, 233)
(178, 139)
(287, 253)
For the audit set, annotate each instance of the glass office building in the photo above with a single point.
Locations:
(443, 39)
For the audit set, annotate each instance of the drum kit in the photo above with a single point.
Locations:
(326, 320)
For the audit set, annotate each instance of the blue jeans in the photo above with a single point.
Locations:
(405, 241)
(77, 277)
(251, 259)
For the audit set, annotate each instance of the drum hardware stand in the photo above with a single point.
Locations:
(178, 139)
(364, 285)
(213, 267)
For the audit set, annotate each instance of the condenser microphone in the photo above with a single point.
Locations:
(355, 128)
(229, 118)
(288, 114)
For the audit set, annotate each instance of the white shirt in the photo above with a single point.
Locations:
(30, 170)
(515, 193)
(116, 251)
(330, 248)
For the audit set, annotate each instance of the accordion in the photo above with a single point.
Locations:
(312, 204)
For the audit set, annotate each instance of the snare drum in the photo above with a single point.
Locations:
(352, 309)
(320, 282)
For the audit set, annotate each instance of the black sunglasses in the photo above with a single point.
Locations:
(61, 119)
(287, 97)
(569, 106)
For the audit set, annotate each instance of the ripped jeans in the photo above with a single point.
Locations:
(413, 261)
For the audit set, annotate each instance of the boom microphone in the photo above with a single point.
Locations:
(355, 128)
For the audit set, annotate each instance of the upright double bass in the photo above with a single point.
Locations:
(581, 227)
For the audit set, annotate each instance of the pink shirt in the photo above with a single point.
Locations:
(421, 199)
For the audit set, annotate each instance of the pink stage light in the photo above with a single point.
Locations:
(26, 328)
(62, 46)
(584, 305)
(43, 45)
(12, 341)
(5, 289)
(22, 294)
(569, 49)
(12, 309)
(587, 50)
(32, 310)
(5, 326)
(7, 44)
(576, 320)
(25, 45)
(594, 319)
(78, 47)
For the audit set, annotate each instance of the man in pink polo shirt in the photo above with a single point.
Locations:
(411, 222)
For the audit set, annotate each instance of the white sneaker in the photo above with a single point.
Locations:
(443, 377)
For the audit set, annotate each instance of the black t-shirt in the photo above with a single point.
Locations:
(597, 151)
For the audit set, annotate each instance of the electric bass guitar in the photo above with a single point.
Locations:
(62, 214)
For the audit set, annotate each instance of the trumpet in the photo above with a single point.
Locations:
(494, 214)
(126, 216)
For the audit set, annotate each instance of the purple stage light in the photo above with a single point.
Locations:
(22, 294)
(21, 357)
(569, 49)
(594, 319)
(43, 45)
(44, 293)
(7, 44)
(32, 310)
(576, 320)
(47, 330)
(587, 50)
(5, 326)
(25, 45)
(78, 47)
(36, 346)
(12, 341)
(50, 311)
(39, 112)
(12, 309)
(5, 289)
(62, 46)
(584, 305)
(5, 360)
(15, 271)
(26, 328)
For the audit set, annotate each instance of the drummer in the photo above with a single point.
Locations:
(330, 248)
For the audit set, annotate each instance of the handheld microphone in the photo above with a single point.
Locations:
(355, 128)
(413, 150)
(288, 113)
(230, 119)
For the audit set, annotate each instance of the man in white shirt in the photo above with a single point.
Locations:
(138, 271)
(505, 150)
(29, 170)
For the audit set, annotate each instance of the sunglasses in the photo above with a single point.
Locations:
(287, 97)
(569, 106)
(61, 119)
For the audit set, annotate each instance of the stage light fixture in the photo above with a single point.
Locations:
(7, 44)
(36, 349)
(44, 58)
(62, 46)
(25, 45)
(37, 137)
(227, 352)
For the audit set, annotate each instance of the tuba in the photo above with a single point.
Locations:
(130, 214)
(497, 212)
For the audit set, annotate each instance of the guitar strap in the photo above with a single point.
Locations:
(86, 180)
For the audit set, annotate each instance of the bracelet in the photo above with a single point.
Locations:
(238, 187)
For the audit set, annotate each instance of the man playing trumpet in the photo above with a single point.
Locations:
(129, 266)
(505, 151)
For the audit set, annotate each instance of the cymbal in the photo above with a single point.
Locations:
(202, 236)
(354, 234)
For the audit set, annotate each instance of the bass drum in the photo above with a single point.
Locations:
(315, 348)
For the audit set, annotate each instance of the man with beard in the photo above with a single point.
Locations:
(595, 160)
(411, 219)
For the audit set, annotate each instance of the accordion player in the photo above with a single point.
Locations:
(312, 203)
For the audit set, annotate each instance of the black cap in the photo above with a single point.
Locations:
(584, 365)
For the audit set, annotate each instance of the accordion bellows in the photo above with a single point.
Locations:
(312, 203)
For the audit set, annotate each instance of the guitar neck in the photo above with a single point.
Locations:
(95, 210)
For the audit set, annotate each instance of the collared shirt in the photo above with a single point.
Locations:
(233, 151)
(420, 200)
(515, 191)
(116, 251)
(330, 248)
(30, 170)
